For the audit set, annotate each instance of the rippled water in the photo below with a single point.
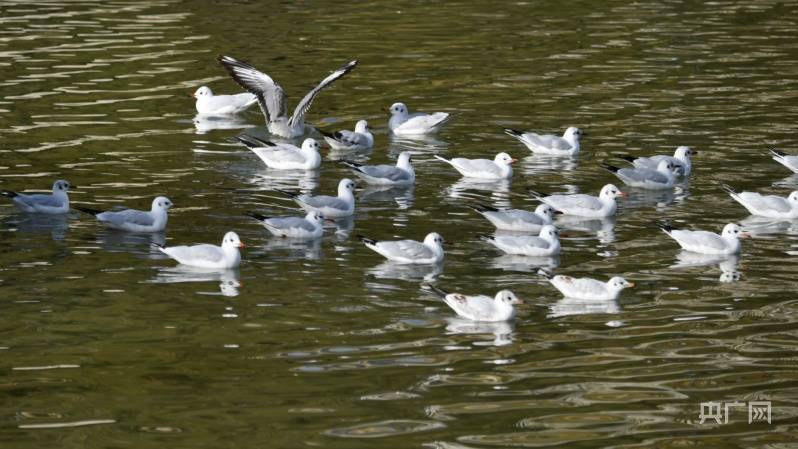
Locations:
(105, 343)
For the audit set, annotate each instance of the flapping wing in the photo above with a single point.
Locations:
(270, 95)
(303, 106)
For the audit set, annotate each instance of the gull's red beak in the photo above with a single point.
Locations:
(242, 245)
(623, 194)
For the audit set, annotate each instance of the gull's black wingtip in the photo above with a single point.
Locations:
(545, 273)
(255, 215)
(728, 189)
(287, 193)
(666, 227)
(626, 157)
(481, 208)
(486, 237)
(9, 193)
(437, 290)
(352, 165)
(537, 194)
(609, 167)
(513, 132)
(776, 152)
(366, 240)
(89, 211)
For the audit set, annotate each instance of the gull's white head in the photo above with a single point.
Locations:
(231, 240)
(572, 133)
(398, 109)
(544, 210)
(314, 217)
(346, 187)
(161, 203)
(549, 232)
(404, 158)
(311, 145)
(203, 91)
(793, 198)
(433, 239)
(609, 191)
(618, 283)
(734, 231)
(362, 127)
(504, 159)
(61, 186)
(683, 153)
(507, 297)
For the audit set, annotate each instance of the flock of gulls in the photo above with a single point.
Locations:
(535, 231)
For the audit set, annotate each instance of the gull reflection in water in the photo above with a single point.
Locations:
(577, 306)
(294, 248)
(763, 226)
(406, 272)
(228, 279)
(205, 123)
(113, 240)
(402, 195)
(302, 180)
(421, 143)
(343, 227)
(536, 163)
(528, 264)
(499, 191)
(55, 225)
(603, 228)
(790, 182)
(726, 263)
(502, 331)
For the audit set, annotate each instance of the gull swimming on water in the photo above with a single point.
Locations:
(400, 174)
(133, 220)
(271, 98)
(587, 288)
(645, 178)
(208, 256)
(284, 156)
(785, 159)
(404, 123)
(409, 251)
(770, 206)
(210, 104)
(584, 205)
(546, 244)
(480, 307)
(309, 227)
(681, 159)
(54, 203)
(342, 205)
(517, 219)
(705, 242)
(357, 140)
(498, 168)
(567, 145)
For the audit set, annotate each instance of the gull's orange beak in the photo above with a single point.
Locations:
(191, 94)
(519, 300)
(631, 285)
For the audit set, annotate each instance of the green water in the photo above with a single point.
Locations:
(325, 345)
